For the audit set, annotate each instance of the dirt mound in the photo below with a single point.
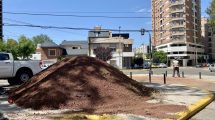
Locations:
(89, 85)
(78, 83)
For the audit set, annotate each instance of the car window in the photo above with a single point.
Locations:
(4, 56)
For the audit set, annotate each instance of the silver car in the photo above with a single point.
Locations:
(212, 67)
(162, 65)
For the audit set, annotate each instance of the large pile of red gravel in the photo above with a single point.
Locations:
(79, 83)
(89, 84)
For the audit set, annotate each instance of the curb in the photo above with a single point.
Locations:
(103, 117)
(196, 107)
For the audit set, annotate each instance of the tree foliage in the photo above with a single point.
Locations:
(103, 53)
(159, 57)
(211, 12)
(40, 39)
(12, 46)
(3, 46)
(26, 47)
(138, 59)
(9, 46)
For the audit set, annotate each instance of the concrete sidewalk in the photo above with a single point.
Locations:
(194, 98)
(178, 94)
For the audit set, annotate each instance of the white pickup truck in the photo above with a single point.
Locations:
(17, 72)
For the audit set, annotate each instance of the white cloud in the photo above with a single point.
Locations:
(141, 10)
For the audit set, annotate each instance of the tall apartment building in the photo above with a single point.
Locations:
(176, 29)
(120, 43)
(208, 38)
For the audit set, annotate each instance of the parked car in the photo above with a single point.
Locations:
(146, 65)
(155, 65)
(198, 65)
(17, 71)
(212, 67)
(162, 65)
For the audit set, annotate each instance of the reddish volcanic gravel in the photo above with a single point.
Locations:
(90, 85)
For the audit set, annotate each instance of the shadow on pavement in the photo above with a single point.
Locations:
(175, 89)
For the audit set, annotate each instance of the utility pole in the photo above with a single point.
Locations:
(150, 52)
(150, 48)
(1, 21)
(196, 54)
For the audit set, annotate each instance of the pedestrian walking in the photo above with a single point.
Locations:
(175, 64)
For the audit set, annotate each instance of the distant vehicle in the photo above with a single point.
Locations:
(212, 67)
(155, 65)
(146, 65)
(17, 71)
(45, 64)
(199, 65)
(162, 65)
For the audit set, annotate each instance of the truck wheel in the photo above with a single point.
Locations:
(23, 76)
(12, 81)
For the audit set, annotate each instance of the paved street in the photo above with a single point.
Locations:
(186, 70)
(207, 82)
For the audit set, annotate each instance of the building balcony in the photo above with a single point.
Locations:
(177, 18)
(124, 54)
(177, 26)
(176, 3)
(178, 33)
(177, 10)
(178, 39)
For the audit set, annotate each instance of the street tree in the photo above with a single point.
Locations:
(138, 59)
(103, 53)
(26, 47)
(40, 39)
(9, 46)
(3, 46)
(12, 46)
(159, 57)
(211, 12)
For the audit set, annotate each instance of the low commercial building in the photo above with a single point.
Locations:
(75, 48)
(49, 51)
(120, 43)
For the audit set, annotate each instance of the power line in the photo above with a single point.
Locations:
(87, 12)
(18, 21)
(81, 16)
(85, 29)
(56, 27)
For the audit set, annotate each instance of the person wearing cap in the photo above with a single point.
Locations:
(175, 67)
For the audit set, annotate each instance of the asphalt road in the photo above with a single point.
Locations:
(160, 71)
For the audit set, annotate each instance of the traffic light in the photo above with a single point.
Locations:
(142, 31)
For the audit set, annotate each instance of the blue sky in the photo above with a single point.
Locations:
(116, 8)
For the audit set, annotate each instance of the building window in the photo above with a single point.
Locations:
(113, 47)
(209, 39)
(74, 47)
(52, 52)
